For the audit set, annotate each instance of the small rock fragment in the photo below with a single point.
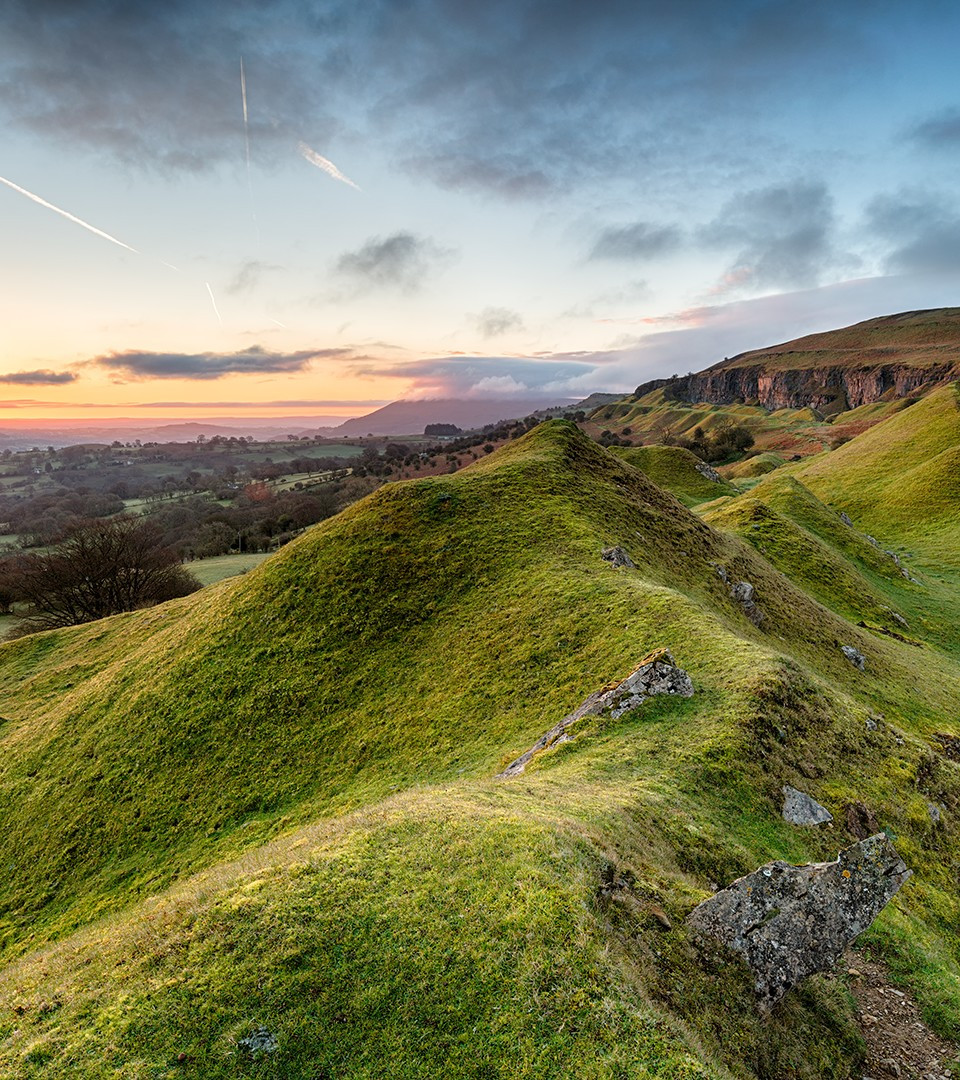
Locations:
(791, 921)
(742, 591)
(616, 556)
(854, 656)
(936, 816)
(259, 1041)
(845, 518)
(800, 809)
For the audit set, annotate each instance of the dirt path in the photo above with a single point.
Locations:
(899, 1045)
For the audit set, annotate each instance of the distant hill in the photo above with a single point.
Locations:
(411, 417)
(876, 360)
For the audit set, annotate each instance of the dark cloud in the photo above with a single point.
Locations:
(202, 366)
(642, 240)
(401, 261)
(939, 132)
(494, 321)
(920, 229)
(515, 97)
(493, 376)
(39, 378)
(784, 234)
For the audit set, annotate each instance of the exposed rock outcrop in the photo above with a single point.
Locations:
(617, 556)
(800, 809)
(743, 593)
(816, 387)
(791, 921)
(657, 673)
(855, 657)
(708, 472)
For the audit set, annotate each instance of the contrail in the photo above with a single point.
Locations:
(213, 301)
(322, 163)
(246, 142)
(278, 322)
(68, 216)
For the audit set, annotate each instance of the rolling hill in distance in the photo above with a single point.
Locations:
(260, 830)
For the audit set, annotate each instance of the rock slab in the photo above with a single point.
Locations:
(800, 809)
(789, 922)
(657, 673)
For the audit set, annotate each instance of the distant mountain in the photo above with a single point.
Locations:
(22, 434)
(411, 417)
(879, 359)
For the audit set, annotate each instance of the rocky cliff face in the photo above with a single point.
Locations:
(819, 388)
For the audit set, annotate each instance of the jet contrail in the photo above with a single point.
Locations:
(246, 142)
(278, 322)
(68, 216)
(213, 301)
(322, 163)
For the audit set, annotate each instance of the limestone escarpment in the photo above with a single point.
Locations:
(881, 359)
(817, 388)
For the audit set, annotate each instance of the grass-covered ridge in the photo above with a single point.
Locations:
(272, 803)
(911, 338)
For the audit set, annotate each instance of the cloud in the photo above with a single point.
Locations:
(939, 132)
(43, 377)
(483, 376)
(518, 98)
(136, 365)
(399, 261)
(921, 230)
(642, 240)
(494, 321)
(249, 275)
(784, 234)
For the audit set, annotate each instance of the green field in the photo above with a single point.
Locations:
(210, 571)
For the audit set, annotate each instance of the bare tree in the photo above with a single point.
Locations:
(101, 568)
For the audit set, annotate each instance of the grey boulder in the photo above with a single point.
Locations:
(800, 809)
(788, 922)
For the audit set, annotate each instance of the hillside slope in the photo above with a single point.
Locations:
(272, 804)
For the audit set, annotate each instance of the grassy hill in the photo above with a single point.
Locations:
(272, 804)
(911, 338)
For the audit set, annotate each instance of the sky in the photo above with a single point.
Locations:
(314, 208)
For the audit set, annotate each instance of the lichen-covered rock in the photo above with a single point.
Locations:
(708, 473)
(854, 656)
(800, 809)
(791, 921)
(616, 556)
(657, 673)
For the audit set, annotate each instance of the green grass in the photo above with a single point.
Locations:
(675, 469)
(271, 803)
